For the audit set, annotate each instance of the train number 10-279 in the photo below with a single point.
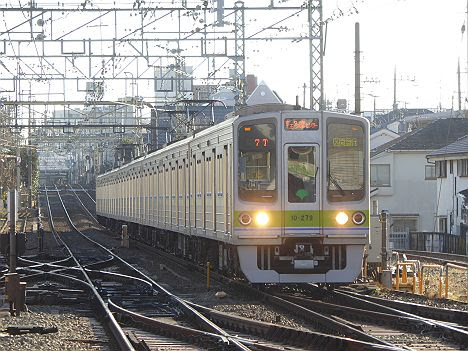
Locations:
(301, 218)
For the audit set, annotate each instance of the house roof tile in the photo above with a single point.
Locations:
(433, 136)
(458, 147)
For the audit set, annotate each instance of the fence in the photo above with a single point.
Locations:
(437, 242)
(399, 241)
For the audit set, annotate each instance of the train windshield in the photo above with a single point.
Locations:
(346, 157)
(257, 162)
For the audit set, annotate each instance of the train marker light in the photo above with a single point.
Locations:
(341, 218)
(245, 219)
(359, 218)
(262, 218)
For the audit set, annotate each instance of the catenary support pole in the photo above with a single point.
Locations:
(12, 218)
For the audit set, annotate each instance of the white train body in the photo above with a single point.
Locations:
(286, 192)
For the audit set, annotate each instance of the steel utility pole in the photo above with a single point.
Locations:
(316, 54)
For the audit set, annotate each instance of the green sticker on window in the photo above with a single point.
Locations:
(302, 194)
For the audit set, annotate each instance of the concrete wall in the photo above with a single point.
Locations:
(446, 196)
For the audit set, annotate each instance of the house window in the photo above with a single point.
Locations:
(462, 168)
(380, 175)
(443, 224)
(441, 169)
(404, 224)
(451, 166)
(430, 172)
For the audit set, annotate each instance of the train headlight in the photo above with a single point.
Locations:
(359, 218)
(245, 219)
(262, 218)
(341, 218)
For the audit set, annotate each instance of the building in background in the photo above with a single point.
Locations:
(404, 182)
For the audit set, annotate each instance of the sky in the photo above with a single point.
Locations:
(421, 38)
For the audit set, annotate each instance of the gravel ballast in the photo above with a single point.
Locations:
(75, 331)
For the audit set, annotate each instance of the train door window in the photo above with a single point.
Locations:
(213, 187)
(301, 174)
(193, 192)
(187, 193)
(175, 193)
(167, 187)
(257, 162)
(220, 220)
(203, 182)
(228, 185)
(161, 194)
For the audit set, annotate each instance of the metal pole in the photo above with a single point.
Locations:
(383, 220)
(357, 71)
(304, 95)
(316, 54)
(12, 213)
(459, 89)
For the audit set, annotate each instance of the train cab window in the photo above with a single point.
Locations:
(257, 162)
(346, 158)
(301, 174)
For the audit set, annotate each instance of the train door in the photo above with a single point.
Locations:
(301, 202)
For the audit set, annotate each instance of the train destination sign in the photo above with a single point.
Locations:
(301, 124)
(345, 142)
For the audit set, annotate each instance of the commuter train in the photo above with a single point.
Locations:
(277, 193)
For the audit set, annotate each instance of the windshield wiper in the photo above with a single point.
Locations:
(333, 180)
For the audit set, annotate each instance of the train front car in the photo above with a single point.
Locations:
(301, 196)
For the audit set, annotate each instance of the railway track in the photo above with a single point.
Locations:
(438, 257)
(373, 327)
(135, 299)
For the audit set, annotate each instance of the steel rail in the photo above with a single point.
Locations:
(84, 207)
(86, 191)
(457, 333)
(429, 312)
(356, 313)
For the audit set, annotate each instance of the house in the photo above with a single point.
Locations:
(404, 182)
(451, 198)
